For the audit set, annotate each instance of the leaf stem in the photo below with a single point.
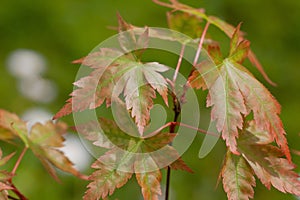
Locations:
(163, 4)
(178, 64)
(201, 43)
(15, 190)
(19, 160)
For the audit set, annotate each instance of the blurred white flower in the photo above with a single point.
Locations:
(34, 115)
(38, 89)
(25, 64)
(76, 152)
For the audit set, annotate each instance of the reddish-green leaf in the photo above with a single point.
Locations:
(179, 164)
(105, 181)
(234, 93)
(137, 81)
(105, 133)
(142, 156)
(267, 161)
(7, 119)
(185, 23)
(150, 184)
(239, 48)
(44, 141)
(238, 178)
(148, 179)
(94, 89)
(215, 53)
(223, 26)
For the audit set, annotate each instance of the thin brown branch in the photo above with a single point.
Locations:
(17, 192)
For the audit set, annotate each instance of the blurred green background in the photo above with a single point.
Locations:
(62, 31)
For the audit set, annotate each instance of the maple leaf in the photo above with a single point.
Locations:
(111, 136)
(137, 81)
(128, 40)
(238, 178)
(128, 154)
(150, 183)
(185, 23)
(44, 141)
(94, 89)
(267, 161)
(234, 93)
(104, 133)
(227, 28)
(7, 133)
(258, 156)
(105, 181)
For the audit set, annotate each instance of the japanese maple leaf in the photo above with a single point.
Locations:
(105, 181)
(148, 179)
(43, 139)
(130, 41)
(228, 29)
(137, 81)
(7, 133)
(185, 23)
(258, 157)
(238, 178)
(127, 155)
(267, 161)
(234, 93)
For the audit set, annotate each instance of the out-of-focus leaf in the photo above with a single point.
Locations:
(7, 119)
(4, 186)
(44, 141)
(185, 23)
(238, 178)
(3, 195)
